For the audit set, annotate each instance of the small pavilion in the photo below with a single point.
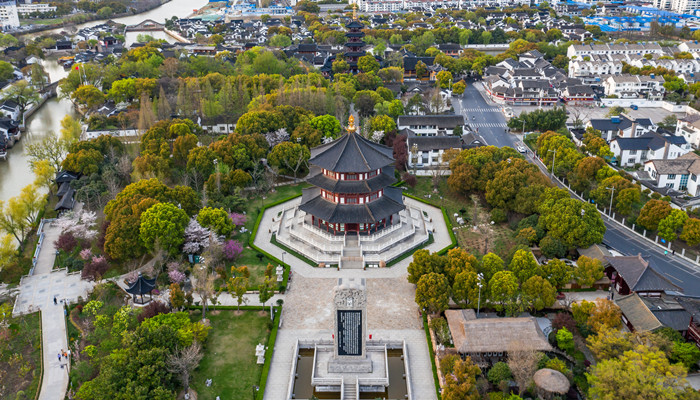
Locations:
(140, 287)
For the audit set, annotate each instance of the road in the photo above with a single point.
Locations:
(491, 123)
(485, 117)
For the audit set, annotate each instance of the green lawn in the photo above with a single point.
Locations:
(249, 257)
(48, 21)
(20, 357)
(229, 356)
(452, 203)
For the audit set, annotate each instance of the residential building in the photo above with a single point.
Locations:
(649, 314)
(622, 126)
(679, 174)
(430, 125)
(689, 128)
(9, 18)
(427, 151)
(29, 8)
(630, 151)
(635, 86)
(580, 50)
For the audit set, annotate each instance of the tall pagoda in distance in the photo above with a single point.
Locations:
(354, 46)
(352, 190)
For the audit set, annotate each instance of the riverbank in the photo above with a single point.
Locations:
(88, 18)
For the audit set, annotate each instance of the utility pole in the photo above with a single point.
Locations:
(554, 157)
(479, 283)
(612, 193)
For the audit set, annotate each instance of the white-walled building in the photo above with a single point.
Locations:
(679, 174)
(26, 9)
(622, 126)
(650, 146)
(689, 128)
(9, 17)
(580, 50)
(430, 125)
(635, 86)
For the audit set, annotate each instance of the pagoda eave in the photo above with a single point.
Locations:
(372, 184)
(372, 212)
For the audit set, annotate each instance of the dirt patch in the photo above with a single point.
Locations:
(487, 237)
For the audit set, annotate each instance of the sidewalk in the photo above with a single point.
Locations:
(53, 338)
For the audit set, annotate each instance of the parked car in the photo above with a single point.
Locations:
(521, 148)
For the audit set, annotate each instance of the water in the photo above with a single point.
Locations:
(304, 390)
(15, 172)
(179, 8)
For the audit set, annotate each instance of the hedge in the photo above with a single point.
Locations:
(432, 355)
(254, 233)
(453, 239)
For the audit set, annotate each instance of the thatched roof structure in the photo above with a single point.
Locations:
(494, 335)
(551, 381)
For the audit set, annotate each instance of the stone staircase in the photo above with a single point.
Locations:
(352, 256)
(350, 389)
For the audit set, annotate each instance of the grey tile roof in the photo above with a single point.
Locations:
(383, 207)
(441, 121)
(427, 143)
(639, 275)
(351, 153)
(372, 184)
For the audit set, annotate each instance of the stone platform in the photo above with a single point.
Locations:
(292, 228)
(329, 374)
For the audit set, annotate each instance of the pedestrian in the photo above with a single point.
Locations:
(55, 302)
(59, 357)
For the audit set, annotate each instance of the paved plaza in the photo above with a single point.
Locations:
(392, 313)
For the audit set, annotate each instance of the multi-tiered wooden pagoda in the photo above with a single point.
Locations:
(352, 190)
(354, 45)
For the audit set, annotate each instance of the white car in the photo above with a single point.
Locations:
(521, 148)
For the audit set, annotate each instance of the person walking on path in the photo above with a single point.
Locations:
(55, 302)
(59, 357)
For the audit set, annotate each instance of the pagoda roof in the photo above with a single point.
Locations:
(372, 184)
(351, 153)
(355, 24)
(354, 34)
(142, 285)
(383, 207)
(355, 53)
(355, 44)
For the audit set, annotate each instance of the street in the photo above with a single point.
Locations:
(484, 117)
(491, 125)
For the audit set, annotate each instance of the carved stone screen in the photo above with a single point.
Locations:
(349, 332)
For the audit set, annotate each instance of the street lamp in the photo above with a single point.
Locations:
(612, 193)
(554, 157)
(479, 279)
(283, 253)
(255, 391)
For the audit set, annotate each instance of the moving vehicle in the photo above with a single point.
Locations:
(521, 148)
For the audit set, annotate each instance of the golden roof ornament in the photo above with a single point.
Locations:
(351, 124)
(354, 11)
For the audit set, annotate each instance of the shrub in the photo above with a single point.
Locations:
(152, 309)
(238, 219)
(564, 320)
(552, 248)
(95, 268)
(442, 331)
(498, 215)
(66, 242)
(565, 340)
(85, 254)
(499, 372)
(176, 276)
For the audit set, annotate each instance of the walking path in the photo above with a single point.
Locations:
(37, 292)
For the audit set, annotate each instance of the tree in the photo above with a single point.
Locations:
(368, 64)
(669, 226)
(19, 214)
(458, 88)
(21, 93)
(88, 97)
(280, 41)
(45, 173)
(524, 265)
(289, 158)
(465, 290)
(216, 219)
(204, 286)
(652, 213)
(552, 247)
(424, 263)
(691, 232)
(444, 79)
(328, 125)
(503, 288)
(575, 223)
(626, 199)
(184, 361)
(381, 126)
(557, 272)
(238, 286)
(266, 290)
(490, 264)
(177, 296)
(614, 111)
(421, 69)
(565, 340)
(460, 383)
(605, 313)
(641, 373)
(538, 293)
(163, 225)
(8, 251)
(686, 353)
(433, 292)
(588, 271)
(522, 361)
